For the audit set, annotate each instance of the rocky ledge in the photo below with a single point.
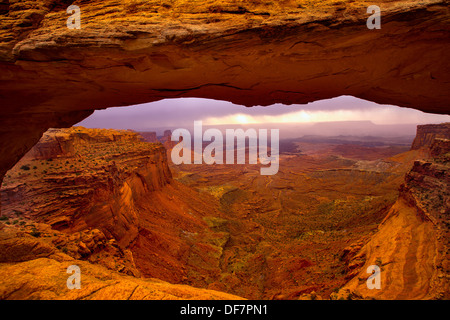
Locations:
(426, 135)
(32, 269)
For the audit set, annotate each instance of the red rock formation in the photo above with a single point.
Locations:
(426, 134)
(102, 197)
(166, 140)
(108, 185)
(440, 148)
(31, 268)
(54, 143)
(88, 179)
(149, 136)
(412, 244)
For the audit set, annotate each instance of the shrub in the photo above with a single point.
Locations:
(25, 167)
(35, 233)
(378, 262)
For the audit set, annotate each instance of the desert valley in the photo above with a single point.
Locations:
(141, 227)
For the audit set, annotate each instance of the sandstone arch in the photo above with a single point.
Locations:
(246, 53)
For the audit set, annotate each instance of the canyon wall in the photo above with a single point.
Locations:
(249, 53)
(426, 134)
(103, 197)
(412, 243)
(76, 180)
(149, 136)
(108, 197)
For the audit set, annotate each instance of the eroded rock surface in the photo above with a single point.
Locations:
(412, 244)
(108, 198)
(45, 279)
(426, 135)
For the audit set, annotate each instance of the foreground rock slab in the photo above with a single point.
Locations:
(45, 279)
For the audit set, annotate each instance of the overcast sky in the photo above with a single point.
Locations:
(179, 113)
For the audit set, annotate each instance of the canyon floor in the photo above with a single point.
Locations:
(288, 231)
(142, 227)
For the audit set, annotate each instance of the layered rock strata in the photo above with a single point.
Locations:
(412, 244)
(107, 197)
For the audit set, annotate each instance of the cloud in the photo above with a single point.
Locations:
(174, 113)
(382, 115)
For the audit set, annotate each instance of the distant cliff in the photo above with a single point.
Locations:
(149, 136)
(165, 139)
(427, 133)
